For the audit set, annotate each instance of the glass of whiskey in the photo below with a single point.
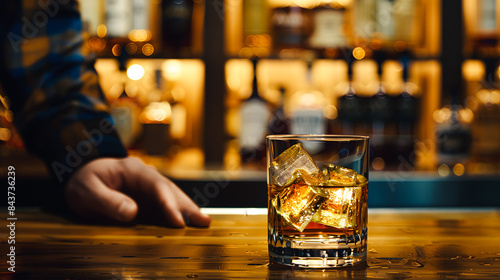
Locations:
(317, 200)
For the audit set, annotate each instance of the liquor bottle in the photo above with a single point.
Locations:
(92, 16)
(485, 126)
(177, 18)
(290, 27)
(329, 29)
(255, 18)
(118, 18)
(407, 111)
(485, 36)
(386, 20)
(254, 120)
(155, 119)
(279, 123)
(307, 117)
(454, 139)
(351, 106)
(382, 118)
(140, 15)
(125, 111)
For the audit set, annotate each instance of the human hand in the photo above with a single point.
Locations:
(101, 189)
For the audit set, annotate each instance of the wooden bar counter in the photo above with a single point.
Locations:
(402, 244)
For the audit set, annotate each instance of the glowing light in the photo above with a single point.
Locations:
(157, 112)
(101, 30)
(139, 35)
(378, 163)
(358, 53)
(96, 44)
(399, 46)
(441, 115)
(116, 50)
(172, 69)
(331, 112)
(483, 95)
(135, 72)
(5, 134)
(459, 169)
(443, 170)
(473, 70)
(131, 48)
(495, 97)
(308, 99)
(466, 115)
(148, 49)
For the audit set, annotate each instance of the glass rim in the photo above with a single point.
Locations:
(317, 137)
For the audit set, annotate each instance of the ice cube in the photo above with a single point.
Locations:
(361, 180)
(299, 202)
(303, 176)
(293, 158)
(339, 176)
(340, 210)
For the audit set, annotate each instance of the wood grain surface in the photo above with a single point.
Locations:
(402, 244)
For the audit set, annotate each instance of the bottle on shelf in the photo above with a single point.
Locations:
(127, 29)
(177, 25)
(125, 111)
(382, 123)
(407, 112)
(118, 18)
(156, 118)
(290, 28)
(485, 126)
(307, 116)
(256, 28)
(329, 29)
(486, 34)
(255, 116)
(453, 136)
(351, 109)
(386, 24)
(279, 124)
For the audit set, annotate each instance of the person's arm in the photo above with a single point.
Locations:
(61, 113)
(59, 108)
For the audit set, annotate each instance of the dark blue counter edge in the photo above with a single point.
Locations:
(414, 191)
(474, 191)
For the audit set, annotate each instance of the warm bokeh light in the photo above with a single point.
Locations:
(495, 97)
(473, 70)
(116, 50)
(378, 163)
(139, 35)
(443, 170)
(172, 69)
(135, 72)
(148, 49)
(442, 115)
(400, 46)
(358, 53)
(330, 112)
(156, 112)
(466, 115)
(96, 44)
(131, 48)
(5, 134)
(459, 169)
(101, 30)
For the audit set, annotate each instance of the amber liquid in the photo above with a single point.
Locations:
(336, 235)
(356, 214)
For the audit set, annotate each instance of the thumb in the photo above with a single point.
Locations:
(94, 199)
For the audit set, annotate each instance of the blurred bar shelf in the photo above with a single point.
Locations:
(248, 188)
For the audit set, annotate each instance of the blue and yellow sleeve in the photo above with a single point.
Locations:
(59, 108)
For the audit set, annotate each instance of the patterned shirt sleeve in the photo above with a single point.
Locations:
(59, 108)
